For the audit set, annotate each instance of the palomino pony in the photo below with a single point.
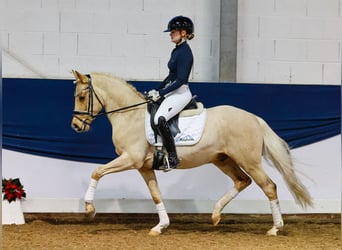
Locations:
(233, 140)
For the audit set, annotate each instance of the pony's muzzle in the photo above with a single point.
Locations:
(80, 125)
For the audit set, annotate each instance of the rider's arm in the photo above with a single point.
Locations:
(163, 83)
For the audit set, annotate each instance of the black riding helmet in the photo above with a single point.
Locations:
(180, 23)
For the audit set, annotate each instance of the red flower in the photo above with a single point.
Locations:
(12, 189)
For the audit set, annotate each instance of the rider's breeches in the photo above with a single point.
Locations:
(173, 103)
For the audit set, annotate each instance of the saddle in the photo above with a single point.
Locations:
(192, 108)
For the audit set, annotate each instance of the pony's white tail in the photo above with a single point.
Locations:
(277, 151)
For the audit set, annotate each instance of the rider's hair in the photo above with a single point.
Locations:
(190, 36)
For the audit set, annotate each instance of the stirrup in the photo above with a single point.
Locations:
(166, 167)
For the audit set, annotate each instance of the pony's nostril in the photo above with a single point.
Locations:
(75, 127)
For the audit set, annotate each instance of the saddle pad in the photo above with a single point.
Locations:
(191, 128)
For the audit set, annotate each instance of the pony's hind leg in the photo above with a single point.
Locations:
(241, 181)
(270, 189)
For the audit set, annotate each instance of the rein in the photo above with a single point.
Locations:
(90, 110)
(120, 109)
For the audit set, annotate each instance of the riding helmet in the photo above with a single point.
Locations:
(180, 23)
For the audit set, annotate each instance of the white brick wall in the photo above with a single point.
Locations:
(33, 44)
(321, 8)
(63, 44)
(290, 7)
(289, 41)
(48, 38)
(299, 40)
(29, 20)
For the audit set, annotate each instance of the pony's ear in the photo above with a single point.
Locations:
(75, 73)
(79, 76)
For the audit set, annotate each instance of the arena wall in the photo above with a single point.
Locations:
(59, 186)
(293, 41)
(48, 38)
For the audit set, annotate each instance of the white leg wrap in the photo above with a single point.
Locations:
(231, 194)
(89, 196)
(164, 220)
(276, 214)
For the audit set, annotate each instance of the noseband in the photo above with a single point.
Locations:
(90, 109)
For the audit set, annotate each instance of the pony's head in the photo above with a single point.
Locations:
(87, 103)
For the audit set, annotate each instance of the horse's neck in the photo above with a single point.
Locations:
(115, 92)
(116, 95)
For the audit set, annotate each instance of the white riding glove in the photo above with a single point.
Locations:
(153, 95)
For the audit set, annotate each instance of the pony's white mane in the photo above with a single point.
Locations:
(117, 79)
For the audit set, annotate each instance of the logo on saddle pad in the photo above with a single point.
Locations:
(190, 127)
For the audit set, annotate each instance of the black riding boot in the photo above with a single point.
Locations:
(168, 143)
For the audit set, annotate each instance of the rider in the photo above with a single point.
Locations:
(174, 90)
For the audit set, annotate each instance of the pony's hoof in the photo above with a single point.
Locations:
(273, 231)
(216, 219)
(158, 229)
(153, 233)
(89, 211)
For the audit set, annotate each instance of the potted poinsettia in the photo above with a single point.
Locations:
(12, 189)
(12, 192)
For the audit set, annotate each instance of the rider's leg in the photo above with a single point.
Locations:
(168, 141)
(173, 103)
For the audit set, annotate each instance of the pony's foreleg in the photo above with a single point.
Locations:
(89, 197)
(151, 181)
(241, 181)
(164, 220)
(124, 162)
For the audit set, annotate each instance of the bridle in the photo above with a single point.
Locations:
(90, 109)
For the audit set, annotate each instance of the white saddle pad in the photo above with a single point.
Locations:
(191, 128)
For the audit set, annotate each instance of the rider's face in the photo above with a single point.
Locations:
(177, 36)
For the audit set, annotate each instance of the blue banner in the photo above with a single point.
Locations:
(37, 115)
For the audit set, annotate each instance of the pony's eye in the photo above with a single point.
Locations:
(81, 98)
